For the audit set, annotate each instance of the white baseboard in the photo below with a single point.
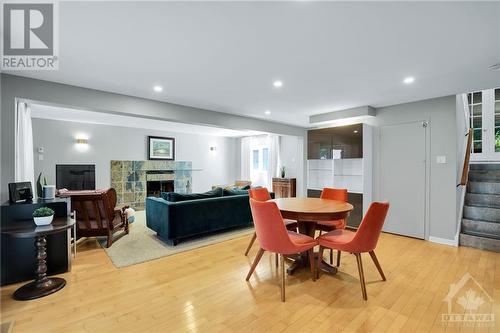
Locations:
(444, 241)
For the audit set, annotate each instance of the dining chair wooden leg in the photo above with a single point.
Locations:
(361, 275)
(254, 237)
(282, 272)
(255, 262)
(331, 257)
(375, 261)
(320, 259)
(338, 258)
(277, 258)
(311, 262)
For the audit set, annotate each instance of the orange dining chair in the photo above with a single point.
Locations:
(339, 194)
(363, 240)
(275, 238)
(262, 194)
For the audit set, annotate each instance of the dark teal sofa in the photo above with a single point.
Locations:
(175, 221)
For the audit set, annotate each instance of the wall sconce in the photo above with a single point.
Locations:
(80, 141)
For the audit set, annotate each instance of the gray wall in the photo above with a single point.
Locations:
(88, 99)
(292, 157)
(108, 143)
(441, 115)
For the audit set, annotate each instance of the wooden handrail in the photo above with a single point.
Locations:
(465, 171)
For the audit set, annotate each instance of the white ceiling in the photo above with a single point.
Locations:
(92, 117)
(224, 56)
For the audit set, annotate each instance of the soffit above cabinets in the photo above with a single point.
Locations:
(363, 111)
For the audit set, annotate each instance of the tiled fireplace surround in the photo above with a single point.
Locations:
(129, 179)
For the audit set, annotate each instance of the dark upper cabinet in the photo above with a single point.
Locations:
(319, 144)
(349, 139)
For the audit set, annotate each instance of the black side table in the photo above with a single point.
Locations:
(42, 286)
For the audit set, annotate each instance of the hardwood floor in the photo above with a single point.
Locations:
(204, 290)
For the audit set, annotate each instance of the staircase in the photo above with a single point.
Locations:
(481, 214)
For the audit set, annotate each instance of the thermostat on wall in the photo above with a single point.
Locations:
(441, 159)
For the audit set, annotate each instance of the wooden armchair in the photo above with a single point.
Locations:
(96, 214)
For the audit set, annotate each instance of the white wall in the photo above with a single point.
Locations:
(108, 143)
(292, 157)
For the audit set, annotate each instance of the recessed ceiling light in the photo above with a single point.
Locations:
(355, 131)
(158, 88)
(278, 84)
(409, 79)
(267, 112)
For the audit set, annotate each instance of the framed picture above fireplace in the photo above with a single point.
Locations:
(161, 148)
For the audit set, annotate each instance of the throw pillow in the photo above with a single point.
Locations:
(177, 197)
(234, 191)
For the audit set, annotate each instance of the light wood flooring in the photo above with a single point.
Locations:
(204, 290)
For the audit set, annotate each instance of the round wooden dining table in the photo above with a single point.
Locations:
(307, 212)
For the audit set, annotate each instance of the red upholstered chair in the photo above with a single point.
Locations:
(274, 237)
(262, 194)
(339, 194)
(363, 240)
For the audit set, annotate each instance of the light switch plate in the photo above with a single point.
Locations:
(441, 159)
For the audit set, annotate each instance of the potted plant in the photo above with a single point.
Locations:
(39, 185)
(283, 171)
(43, 216)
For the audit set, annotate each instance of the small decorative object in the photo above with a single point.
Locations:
(161, 148)
(43, 216)
(130, 215)
(20, 192)
(283, 171)
(39, 185)
(49, 192)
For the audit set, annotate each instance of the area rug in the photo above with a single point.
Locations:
(142, 244)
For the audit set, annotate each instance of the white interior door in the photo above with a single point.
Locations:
(402, 177)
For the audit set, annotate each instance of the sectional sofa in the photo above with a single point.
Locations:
(176, 217)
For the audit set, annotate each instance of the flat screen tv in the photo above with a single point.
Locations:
(75, 176)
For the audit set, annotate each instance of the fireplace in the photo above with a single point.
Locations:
(158, 181)
(155, 187)
(134, 181)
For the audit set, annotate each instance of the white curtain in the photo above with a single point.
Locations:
(23, 162)
(245, 158)
(274, 152)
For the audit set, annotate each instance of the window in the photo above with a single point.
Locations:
(476, 119)
(255, 159)
(497, 120)
(265, 158)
